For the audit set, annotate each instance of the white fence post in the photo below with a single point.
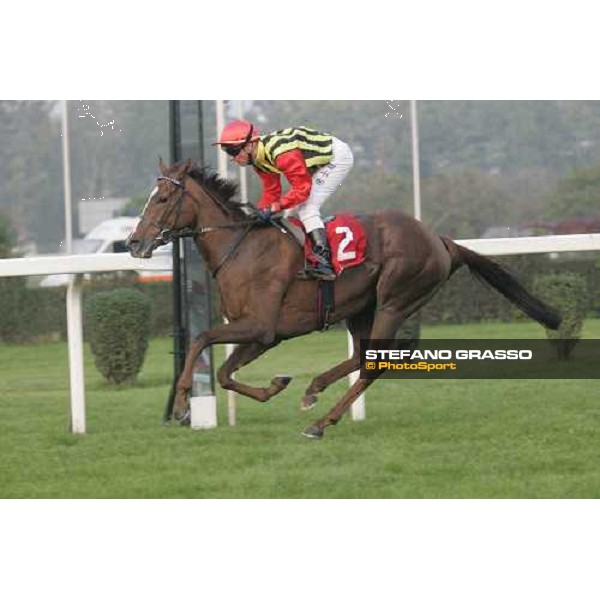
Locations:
(203, 410)
(357, 408)
(75, 341)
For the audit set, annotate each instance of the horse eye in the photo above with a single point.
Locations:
(161, 199)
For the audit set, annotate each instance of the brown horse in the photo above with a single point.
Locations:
(256, 267)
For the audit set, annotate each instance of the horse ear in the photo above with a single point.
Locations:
(184, 168)
(162, 166)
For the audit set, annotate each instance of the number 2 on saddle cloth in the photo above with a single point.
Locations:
(347, 240)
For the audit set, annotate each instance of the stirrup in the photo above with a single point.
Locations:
(322, 272)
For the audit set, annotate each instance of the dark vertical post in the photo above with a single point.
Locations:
(207, 276)
(179, 342)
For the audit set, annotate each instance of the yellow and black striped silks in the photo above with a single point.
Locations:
(315, 146)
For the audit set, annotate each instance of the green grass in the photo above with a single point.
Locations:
(421, 439)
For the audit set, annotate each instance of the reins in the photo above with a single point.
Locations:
(166, 236)
(232, 247)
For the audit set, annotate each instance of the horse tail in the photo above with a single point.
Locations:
(500, 279)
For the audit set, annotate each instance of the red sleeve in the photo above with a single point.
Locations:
(293, 166)
(271, 188)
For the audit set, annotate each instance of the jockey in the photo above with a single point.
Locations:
(314, 163)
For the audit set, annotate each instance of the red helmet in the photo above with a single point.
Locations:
(238, 133)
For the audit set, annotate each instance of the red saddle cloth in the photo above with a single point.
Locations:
(347, 240)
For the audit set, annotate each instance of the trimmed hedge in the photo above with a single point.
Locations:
(410, 330)
(118, 325)
(568, 293)
(33, 313)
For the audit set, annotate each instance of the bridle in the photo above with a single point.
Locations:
(167, 235)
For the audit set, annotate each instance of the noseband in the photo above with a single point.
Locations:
(166, 235)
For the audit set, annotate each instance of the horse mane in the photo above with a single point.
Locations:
(223, 189)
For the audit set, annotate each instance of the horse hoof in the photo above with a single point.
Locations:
(185, 419)
(281, 381)
(308, 402)
(313, 432)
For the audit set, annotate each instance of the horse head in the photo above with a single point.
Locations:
(169, 211)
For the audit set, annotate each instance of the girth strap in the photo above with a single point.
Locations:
(325, 303)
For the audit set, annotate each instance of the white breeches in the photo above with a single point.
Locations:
(324, 182)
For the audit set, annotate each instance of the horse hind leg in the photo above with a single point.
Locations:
(415, 293)
(360, 328)
(243, 355)
(384, 327)
(316, 430)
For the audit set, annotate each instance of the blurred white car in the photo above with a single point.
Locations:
(110, 236)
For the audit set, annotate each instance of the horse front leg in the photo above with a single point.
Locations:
(243, 355)
(243, 331)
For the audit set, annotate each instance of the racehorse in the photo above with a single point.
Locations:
(256, 266)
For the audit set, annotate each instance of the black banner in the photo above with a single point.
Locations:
(480, 359)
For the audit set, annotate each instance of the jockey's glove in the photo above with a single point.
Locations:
(264, 214)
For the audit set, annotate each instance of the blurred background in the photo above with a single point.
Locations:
(488, 169)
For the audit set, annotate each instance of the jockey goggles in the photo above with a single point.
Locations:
(234, 149)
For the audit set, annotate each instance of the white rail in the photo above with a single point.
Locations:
(82, 263)
(78, 264)
(94, 263)
(534, 245)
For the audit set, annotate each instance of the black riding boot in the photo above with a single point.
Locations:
(323, 269)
